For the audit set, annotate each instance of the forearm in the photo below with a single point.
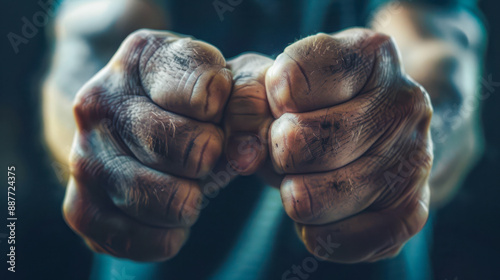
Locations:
(442, 50)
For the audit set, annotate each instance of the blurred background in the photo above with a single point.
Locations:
(467, 231)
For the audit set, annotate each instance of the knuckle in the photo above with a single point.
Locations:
(409, 221)
(135, 43)
(79, 216)
(204, 52)
(86, 104)
(141, 33)
(171, 204)
(172, 242)
(202, 88)
(322, 38)
(169, 143)
(171, 249)
(156, 200)
(427, 158)
(310, 47)
(210, 93)
(181, 53)
(380, 39)
(405, 229)
(285, 136)
(295, 77)
(297, 201)
(279, 86)
(380, 43)
(139, 38)
(246, 110)
(140, 49)
(241, 105)
(188, 211)
(210, 150)
(421, 104)
(249, 65)
(85, 162)
(413, 101)
(98, 99)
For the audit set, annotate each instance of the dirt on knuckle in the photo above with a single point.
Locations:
(283, 139)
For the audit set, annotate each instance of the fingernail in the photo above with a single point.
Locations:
(243, 150)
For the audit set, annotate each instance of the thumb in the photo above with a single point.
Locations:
(247, 116)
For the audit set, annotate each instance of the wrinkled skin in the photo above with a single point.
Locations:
(349, 131)
(147, 132)
(346, 130)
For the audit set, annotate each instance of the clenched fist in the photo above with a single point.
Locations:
(146, 134)
(347, 132)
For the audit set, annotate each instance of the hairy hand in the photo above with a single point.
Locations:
(348, 132)
(147, 132)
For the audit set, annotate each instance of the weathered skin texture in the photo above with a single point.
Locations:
(335, 115)
(247, 116)
(334, 122)
(350, 135)
(146, 133)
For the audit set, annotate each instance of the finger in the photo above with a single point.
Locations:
(144, 194)
(166, 141)
(92, 215)
(322, 70)
(159, 139)
(364, 236)
(181, 75)
(247, 116)
(331, 138)
(374, 180)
